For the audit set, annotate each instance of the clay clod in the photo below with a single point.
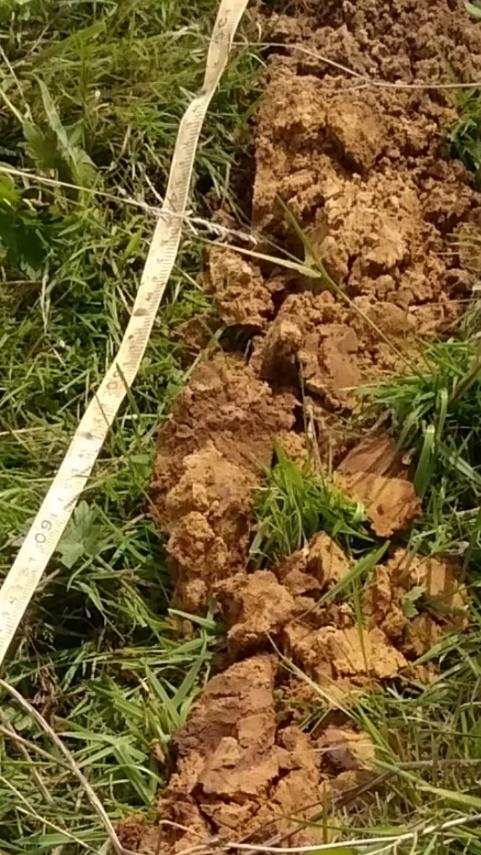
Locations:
(346, 748)
(255, 607)
(416, 600)
(241, 295)
(376, 454)
(210, 457)
(236, 771)
(391, 503)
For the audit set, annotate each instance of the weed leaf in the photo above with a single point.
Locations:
(80, 538)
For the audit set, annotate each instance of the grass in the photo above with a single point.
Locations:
(428, 759)
(93, 93)
(294, 503)
(464, 136)
(428, 747)
(428, 751)
(435, 416)
(427, 736)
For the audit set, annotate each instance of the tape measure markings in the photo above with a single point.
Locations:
(74, 471)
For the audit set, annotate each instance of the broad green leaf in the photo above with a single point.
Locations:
(58, 148)
(9, 194)
(81, 537)
(25, 238)
(70, 552)
(41, 147)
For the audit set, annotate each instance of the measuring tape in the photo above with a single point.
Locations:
(59, 503)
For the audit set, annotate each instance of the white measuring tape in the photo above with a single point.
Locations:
(75, 469)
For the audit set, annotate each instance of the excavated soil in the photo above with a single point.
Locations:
(364, 170)
(210, 460)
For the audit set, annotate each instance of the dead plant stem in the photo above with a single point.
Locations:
(89, 791)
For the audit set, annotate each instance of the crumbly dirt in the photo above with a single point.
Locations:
(376, 453)
(329, 345)
(211, 455)
(408, 605)
(255, 607)
(365, 172)
(240, 776)
(346, 748)
(416, 601)
(242, 766)
(239, 290)
(391, 503)
(316, 567)
(324, 638)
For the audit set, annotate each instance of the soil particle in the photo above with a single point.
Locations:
(227, 748)
(210, 505)
(311, 152)
(365, 170)
(410, 603)
(209, 461)
(315, 567)
(241, 775)
(236, 772)
(258, 605)
(132, 831)
(341, 659)
(297, 581)
(400, 40)
(255, 607)
(346, 748)
(326, 561)
(375, 454)
(294, 446)
(242, 765)
(296, 699)
(416, 600)
(211, 508)
(327, 344)
(370, 230)
(357, 128)
(225, 404)
(194, 335)
(391, 503)
(239, 290)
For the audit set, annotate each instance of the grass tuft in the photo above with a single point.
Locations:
(464, 136)
(91, 95)
(294, 503)
(435, 416)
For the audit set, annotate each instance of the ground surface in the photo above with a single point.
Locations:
(363, 172)
(320, 550)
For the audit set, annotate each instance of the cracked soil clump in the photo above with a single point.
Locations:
(240, 776)
(365, 173)
(378, 202)
(211, 456)
(242, 769)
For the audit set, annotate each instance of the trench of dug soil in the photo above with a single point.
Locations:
(357, 177)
